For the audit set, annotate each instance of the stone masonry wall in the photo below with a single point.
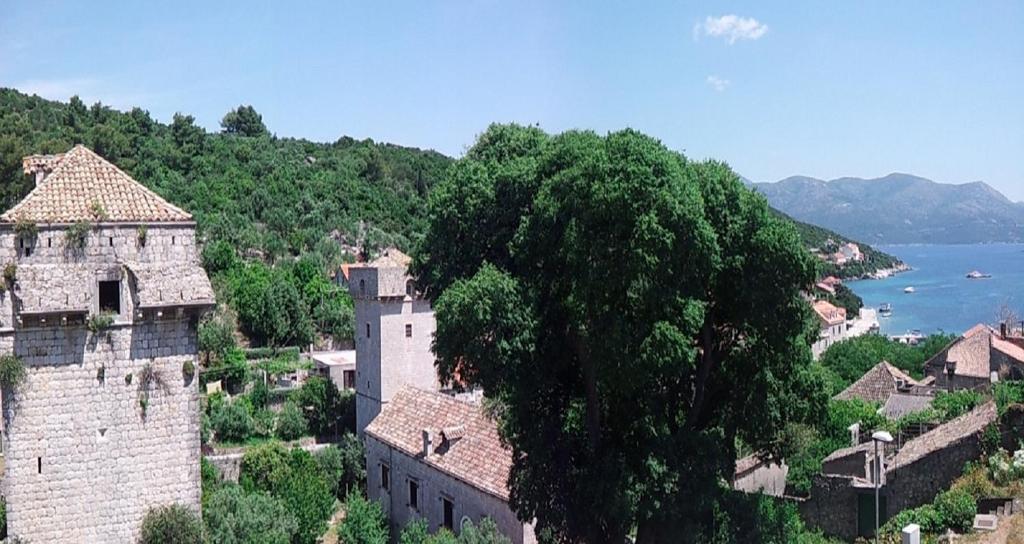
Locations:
(832, 506)
(917, 483)
(468, 501)
(83, 462)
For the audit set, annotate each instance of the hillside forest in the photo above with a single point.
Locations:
(276, 216)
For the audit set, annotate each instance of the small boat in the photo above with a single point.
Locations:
(909, 289)
(975, 275)
(885, 310)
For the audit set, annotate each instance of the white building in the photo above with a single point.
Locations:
(435, 457)
(394, 329)
(337, 366)
(832, 326)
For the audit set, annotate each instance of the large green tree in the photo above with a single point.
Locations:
(630, 314)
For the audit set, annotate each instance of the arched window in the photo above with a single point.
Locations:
(362, 287)
(410, 288)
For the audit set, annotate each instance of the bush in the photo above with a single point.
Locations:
(263, 422)
(174, 524)
(233, 369)
(291, 423)
(234, 516)
(3, 518)
(955, 404)
(957, 509)
(364, 522)
(307, 495)
(12, 372)
(926, 516)
(976, 482)
(259, 395)
(344, 465)
(210, 479)
(484, 533)
(264, 467)
(232, 423)
(217, 335)
(328, 411)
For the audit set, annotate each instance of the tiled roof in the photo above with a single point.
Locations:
(901, 404)
(946, 434)
(79, 181)
(877, 384)
(477, 458)
(971, 352)
(1008, 348)
(828, 313)
(392, 258)
(847, 451)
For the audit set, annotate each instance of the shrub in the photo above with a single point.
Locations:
(954, 404)
(328, 411)
(174, 524)
(263, 422)
(307, 496)
(259, 395)
(217, 335)
(484, 533)
(233, 369)
(75, 236)
(291, 423)
(141, 231)
(11, 273)
(417, 532)
(233, 515)
(926, 516)
(25, 229)
(264, 467)
(232, 423)
(3, 518)
(976, 482)
(97, 323)
(12, 372)
(364, 522)
(344, 465)
(957, 509)
(210, 479)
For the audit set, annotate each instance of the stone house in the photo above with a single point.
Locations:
(755, 474)
(977, 357)
(337, 366)
(878, 384)
(832, 324)
(841, 501)
(394, 330)
(432, 456)
(105, 425)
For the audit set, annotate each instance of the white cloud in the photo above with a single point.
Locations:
(731, 28)
(717, 83)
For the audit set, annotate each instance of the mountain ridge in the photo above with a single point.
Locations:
(899, 208)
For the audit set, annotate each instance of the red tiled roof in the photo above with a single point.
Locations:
(476, 456)
(828, 313)
(1008, 348)
(81, 180)
(877, 384)
(971, 352)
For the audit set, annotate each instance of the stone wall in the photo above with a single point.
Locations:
(766, 477)
(85, 460)
(917, 483)
(832, 506)
(468, 501)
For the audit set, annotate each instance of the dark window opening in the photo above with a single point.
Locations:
(39, 465)
(49, 242)
(28, 251)
(172, 240)
(110, 240)
(367, 330)
(385, 477)
(408, 330)
(410, 288)
(449, 514)
(362, 287)
(21, 243)
(414, 495)
(110, 296)
(349, 377)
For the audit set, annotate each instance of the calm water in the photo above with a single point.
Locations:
(944, 299)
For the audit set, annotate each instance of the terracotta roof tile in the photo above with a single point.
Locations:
(477, 457)
(829, 313)
(946, 434)
(877, 384)
(77, 180)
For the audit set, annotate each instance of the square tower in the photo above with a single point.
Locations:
(394, 330)
(103, 292)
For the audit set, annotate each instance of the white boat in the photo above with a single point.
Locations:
(885, 309)
(909, 289)
(975, 275)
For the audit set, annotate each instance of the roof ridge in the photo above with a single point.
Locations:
(127, 176)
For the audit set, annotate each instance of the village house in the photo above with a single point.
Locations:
(432, 456)
(842, 497)
(832, 326)
(103, 294)
(977, 358)
(337, 366)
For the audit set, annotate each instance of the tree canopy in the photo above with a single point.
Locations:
(630, 314)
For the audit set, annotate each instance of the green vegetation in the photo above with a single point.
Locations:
(344, 465)
(232, 422)
(330, 412)
(174, 524)
(846, 298)
(850, 359)
(97, 323)
(417, 532)
(234, 516)
(825, 240)
(76, 235)
(259, 201)
(657, 358)
(12, 372)
(364, 522)
(291, 423)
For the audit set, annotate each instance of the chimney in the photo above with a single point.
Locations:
(428, 442)
(950, 374)
(1002, 330)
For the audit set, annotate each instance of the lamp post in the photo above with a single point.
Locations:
(884, 437)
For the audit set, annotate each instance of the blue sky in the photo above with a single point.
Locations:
(824, 89)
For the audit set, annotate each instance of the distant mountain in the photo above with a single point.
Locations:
(900, 209)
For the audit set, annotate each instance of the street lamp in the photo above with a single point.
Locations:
(878, 436)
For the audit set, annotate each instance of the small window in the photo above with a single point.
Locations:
(172, 240)
(414, 495)
(110, 296)
(385, 476)
(49, 242)
(28, 251)
(449, 513)
(367, 330)
(349, 379)
(362, 287)
(110, 240)
(39, 465)
(408, 330)
(410, 288)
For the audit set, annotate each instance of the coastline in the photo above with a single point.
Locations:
(883, 273)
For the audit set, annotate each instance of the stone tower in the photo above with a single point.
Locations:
(394, 329)
(103, 291)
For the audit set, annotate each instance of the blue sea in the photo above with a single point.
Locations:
(944, 299)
